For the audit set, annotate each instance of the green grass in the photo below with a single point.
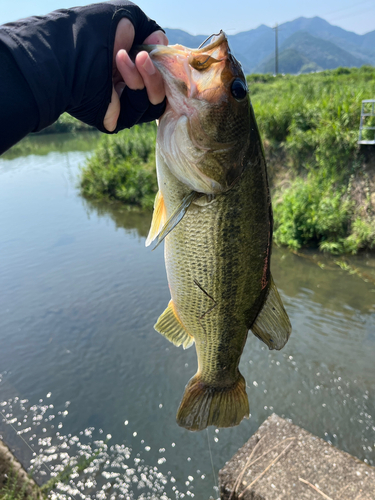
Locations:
(309, 124)
(16, 489)
(123, 168)
(314, 119)
(11, 489)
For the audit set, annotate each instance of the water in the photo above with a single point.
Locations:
(81, 368)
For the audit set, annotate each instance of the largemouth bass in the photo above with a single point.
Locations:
(214, 210)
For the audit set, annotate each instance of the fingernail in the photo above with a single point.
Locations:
(148, 66)
(125, 56)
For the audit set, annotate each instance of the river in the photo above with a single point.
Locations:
(81, 368)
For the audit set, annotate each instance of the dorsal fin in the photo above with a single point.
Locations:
(159, 218)
(272, 325)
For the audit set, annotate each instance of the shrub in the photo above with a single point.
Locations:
(315, 119)
(123, 168)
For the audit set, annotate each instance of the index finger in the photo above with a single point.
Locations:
(151, 77)
(157, 38)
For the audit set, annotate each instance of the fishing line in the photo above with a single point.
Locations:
(27, 444)
(212, 462)
(208, 38)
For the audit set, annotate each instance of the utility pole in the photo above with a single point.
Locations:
(276, 28)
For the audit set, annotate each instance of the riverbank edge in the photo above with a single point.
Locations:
(346, 228)
(12, 470)
(306, 465)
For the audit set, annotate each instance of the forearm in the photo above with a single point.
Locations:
(18, 110)
(66, 60)
(57, 55)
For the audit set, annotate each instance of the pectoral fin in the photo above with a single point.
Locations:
(170, 326)
(272, 325)
(177, 216)
(159, 218)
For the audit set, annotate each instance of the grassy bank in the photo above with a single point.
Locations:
(322, 182)
(123, 168)
(15, 483)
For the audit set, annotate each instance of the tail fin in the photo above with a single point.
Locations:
(203, 405)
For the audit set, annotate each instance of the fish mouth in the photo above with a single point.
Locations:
(160, 50)
(185, 70)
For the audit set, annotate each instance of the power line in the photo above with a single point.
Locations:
(345, 16)
(337, 18)
(346, 8)
(276, 28)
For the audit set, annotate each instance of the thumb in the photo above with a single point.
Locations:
(113, 112)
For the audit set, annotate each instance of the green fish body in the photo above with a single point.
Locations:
(217, 259)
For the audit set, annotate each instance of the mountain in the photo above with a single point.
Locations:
(251, 47)
(255, 47)
(318, 27)
(303, 52)
(368, 42)
(290, 61)
(183, 38)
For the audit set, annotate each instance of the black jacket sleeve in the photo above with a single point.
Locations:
(66, 59)
(18, 110)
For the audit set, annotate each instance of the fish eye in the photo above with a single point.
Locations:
(238, 89)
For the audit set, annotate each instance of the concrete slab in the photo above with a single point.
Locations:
(281, 461)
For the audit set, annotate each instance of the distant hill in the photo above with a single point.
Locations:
(355, 44)
(183, 38)
(290, 61)
(302, 52)
(255, 48)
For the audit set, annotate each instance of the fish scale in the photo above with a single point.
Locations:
(233, 254)
(218, 243)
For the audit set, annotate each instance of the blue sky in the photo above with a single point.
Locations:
(209, 16)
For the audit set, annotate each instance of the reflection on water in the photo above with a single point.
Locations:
(43, 144)
(80, 295)
(128, 218)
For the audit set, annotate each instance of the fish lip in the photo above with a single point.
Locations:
(171, 49)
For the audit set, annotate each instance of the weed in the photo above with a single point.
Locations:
(123, 168)
(315, 118)
(16, 488)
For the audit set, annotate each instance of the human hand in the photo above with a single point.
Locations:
(136, 76)
(83, 67)
(109, 91)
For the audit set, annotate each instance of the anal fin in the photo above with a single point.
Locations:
(159, 218)
(272, 324)
(170, 326)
